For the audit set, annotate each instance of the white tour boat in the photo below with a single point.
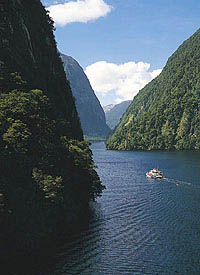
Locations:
(154, 174)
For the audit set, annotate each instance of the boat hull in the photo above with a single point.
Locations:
(150, 176)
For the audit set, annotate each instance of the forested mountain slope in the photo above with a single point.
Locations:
(89, 109)
(46, 169)
(114, 114)
(28, 50)
(165, 113)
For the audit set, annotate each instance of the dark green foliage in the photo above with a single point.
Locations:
(165, 114)
(47, 175)
(29, 59)
(41, 170)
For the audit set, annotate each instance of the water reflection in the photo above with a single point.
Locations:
(82, 251)
(137, 226)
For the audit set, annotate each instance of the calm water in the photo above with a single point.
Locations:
(139, 226)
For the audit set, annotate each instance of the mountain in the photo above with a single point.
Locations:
(46, 172)
(91, 113)
(114, 113)
(27, 51)
(165, 113)
(107, 108)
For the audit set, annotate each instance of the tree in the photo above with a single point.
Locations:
(41, 171)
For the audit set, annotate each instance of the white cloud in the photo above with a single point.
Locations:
(125, 80)
(79, 11)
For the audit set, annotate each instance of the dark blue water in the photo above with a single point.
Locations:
(138, 226)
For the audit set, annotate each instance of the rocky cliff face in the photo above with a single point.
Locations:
(88, 106)
(114, 113)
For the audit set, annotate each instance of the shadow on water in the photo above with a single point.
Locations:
(44, 260)
(136, 227)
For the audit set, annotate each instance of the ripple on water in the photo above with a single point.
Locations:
(139, 226)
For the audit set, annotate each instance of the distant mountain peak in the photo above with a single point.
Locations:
(114, 112)
(107, 108)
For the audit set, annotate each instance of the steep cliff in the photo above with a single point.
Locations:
(114, 113)
(29, 49)
(165, 113)
(88, 106)
(46, 169)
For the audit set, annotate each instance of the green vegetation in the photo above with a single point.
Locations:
(42, 172)
(94, 138)
(30, 60)
(47, 175)
(165, 113)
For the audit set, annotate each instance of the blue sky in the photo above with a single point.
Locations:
(110, 45)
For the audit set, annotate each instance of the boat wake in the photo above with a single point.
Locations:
(177, 182)
(155, 174)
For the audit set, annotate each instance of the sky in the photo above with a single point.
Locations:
(122, 44)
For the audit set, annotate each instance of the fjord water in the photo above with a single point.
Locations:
(138, 226)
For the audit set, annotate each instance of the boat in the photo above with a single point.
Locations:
(154, 174)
